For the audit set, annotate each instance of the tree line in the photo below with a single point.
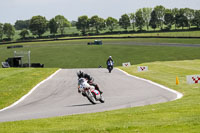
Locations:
(144, 18)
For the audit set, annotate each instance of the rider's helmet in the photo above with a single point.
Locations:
(110, 57)
(80, 74)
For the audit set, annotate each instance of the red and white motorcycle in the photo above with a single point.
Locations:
(89, 91)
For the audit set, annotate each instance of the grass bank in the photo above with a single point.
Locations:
(72, 31)
(77, 54)
(180, 116)
(161, 34)
(16, 82)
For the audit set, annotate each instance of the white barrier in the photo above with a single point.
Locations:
(142, 68)
(193, 79)
(127, 64)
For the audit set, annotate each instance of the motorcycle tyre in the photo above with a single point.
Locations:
(102, 99)
(110, 69)
(92, 99)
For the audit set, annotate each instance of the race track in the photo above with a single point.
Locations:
(58, 96)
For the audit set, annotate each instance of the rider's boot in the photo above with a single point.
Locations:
(97, 88)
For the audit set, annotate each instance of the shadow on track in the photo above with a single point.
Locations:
(78, 105)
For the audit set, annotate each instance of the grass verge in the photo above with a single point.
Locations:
(16, 82)
(180, 116)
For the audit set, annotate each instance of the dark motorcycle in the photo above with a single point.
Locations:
(110, 66)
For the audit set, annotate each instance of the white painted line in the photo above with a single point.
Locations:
(179, 95)
(31, 91)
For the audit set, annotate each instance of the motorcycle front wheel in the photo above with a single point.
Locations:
(91, 98)
(102, 99)
(110, 69)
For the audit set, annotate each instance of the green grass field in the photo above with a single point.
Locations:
(168, 34)
(165, 63)
(16, 82)
(77, 54)
(178, 33)
(180, 116)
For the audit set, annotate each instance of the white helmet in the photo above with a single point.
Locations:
(110, 57)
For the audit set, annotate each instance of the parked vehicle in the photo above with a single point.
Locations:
(96, 42)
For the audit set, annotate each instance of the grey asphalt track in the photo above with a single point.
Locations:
(58, 96)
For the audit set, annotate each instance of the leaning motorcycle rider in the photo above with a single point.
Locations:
(89, 79)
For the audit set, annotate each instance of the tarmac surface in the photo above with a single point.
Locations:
(58, 96)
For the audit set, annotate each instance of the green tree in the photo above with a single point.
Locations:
(38, 25)
(111, 23)
(97, 23)
(53, 26)
(22, 24)
(146, 16)
(124, 21)
(24, 33)
(175, 11)
(73, 23)
(196, 20)
(168, 19)
(132, 19)
(83, 24)
(8, 30)
(62, 23)
(180, 19)
(1, 31)
(189, 13)
(160, 11)
(139, 19)
(154, 20)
